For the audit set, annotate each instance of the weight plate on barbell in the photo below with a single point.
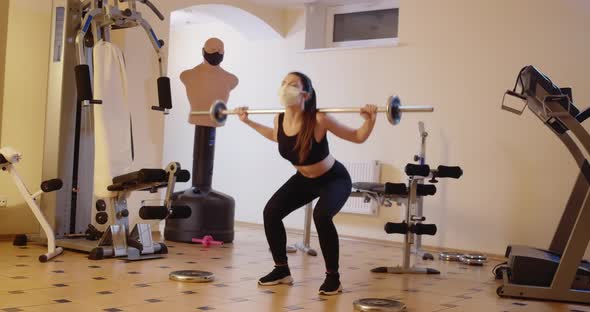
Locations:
(394, 115)
(216, 114)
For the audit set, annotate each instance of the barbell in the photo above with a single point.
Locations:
(393, 109)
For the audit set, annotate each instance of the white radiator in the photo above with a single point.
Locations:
(368, 171)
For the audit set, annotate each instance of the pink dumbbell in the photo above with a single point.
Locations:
(207, 241)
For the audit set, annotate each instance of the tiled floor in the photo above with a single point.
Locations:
(74, 283)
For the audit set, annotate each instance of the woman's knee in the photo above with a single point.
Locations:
(272, 211)
(322, 217)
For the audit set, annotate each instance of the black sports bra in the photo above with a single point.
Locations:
(319, 151)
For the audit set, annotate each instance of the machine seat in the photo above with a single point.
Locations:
(146, 179)
(369, 187)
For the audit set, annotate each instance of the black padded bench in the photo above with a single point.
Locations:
(392, 190)
(146, 180)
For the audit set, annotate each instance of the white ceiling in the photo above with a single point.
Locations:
(189, 16)
(296, 3)
(282, 3)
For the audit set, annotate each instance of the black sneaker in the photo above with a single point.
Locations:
(331, 285)
(280, 275)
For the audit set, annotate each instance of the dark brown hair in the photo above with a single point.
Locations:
(306, 134)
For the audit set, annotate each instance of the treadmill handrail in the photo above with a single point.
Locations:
(582, 116)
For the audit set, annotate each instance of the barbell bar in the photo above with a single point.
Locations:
(393, 109)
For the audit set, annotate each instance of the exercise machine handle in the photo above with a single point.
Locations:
(510, 109)
(164, 93)
(84, 85)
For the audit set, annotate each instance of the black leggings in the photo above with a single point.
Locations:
(332, 188)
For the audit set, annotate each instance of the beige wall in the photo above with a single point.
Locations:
(23, 112)
(459, 56)
(3, 31)
(142, 73)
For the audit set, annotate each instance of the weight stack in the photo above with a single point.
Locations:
(213, 212)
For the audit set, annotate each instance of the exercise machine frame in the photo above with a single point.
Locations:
(69, 142)
(305, 244)
(554, 106)
(8, 160)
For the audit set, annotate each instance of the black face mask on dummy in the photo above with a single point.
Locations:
(213, 58)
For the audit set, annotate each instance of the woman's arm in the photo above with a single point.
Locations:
(360, 135)
(267, 132)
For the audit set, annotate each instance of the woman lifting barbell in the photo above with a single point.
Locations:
(301, 133)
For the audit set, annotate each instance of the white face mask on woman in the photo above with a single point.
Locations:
(289, 95)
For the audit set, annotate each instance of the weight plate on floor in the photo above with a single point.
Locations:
(378, 305)
(291, 249)
(450, 256)
(474, 259)
(192, 276)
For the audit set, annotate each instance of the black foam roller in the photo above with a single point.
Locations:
(396, 228)
(396, 188)
(425, 190)
(153, 212)
(424, 229)
(417, 170)
(83, 83)
(164, 93)
(51, 185)
(180, 212)
(449, 172)
(183, 176)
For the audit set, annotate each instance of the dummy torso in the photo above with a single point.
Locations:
(205, 84)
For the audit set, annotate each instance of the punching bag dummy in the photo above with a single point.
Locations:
(212, 211)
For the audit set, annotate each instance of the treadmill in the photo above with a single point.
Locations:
(558, 273)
